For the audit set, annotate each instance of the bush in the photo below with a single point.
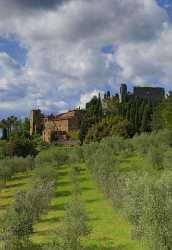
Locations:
(75, 222)
(76, 155)
(19, 147)
(39, 197)
(27, 208)
(18, 224)
(149, 210)
(11, 166)
(45, 173)
(75, 225)
(53, 155)
(156, 157)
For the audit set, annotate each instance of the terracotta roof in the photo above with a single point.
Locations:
(65, 116)
(62, 116)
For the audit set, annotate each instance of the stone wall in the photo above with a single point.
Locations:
(156, 94)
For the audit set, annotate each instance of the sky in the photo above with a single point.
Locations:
(56, 54)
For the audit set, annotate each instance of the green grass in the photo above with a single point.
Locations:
(109, 229)
(18, 182)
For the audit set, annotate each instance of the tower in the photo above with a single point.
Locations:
(123, 92)
(35, 121)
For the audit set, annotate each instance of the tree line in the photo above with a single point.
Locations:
(107, 116)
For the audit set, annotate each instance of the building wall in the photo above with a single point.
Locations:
(35, 121)
(60, 124)
(74, 123)
(123, 93)
(155, 94)
(54, 126)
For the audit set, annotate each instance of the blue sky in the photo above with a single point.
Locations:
(12, 47)
(167, 5)
(55, 55)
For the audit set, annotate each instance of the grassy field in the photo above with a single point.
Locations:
(109, 230)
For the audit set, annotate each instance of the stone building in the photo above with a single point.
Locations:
(123, 93)
(35, 118)
(155, 94)
(55, 127)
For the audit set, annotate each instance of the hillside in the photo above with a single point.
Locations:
(109, 229)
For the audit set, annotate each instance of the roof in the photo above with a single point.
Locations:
(65, 116)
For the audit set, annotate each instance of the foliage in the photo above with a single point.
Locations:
(55, 155)
(163, 115)
(93, 114)
(107, 127)
(74, 135)
(12, 127)
(146, 198)
(75, 222)
(111, 105)
(75, 225)
(9, 167)
(45, 173)
(149, 209)
(19, 147)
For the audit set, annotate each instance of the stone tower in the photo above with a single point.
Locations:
(35, 121)
(123, 92)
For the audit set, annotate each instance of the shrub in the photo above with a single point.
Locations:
(26, 209)
(76, 155)
(11, 166)
(18, 224)
(39, 197)
(20, 147)
(149, 210)
(45, 173)
(75, 222)
(156, 157)
(75, 225)
(58, 156)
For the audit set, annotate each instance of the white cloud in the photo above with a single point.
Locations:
(84, 98)
(64, 60)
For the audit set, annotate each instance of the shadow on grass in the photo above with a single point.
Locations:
(96, 247)
(94, 219)
(43, 233)
(92, 200)
(86, 188)
(62, 174)
(14, 185)
(4, 206)
(82, 179)
(62, 193)
(62, 183)
(82, 170)
(52, 220)
(58, 207)
(21, 177)
(4, 197)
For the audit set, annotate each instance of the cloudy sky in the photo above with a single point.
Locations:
(55, 54)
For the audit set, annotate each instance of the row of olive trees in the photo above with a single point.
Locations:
(155, 148)
(9, 167)
(75, 224)
(17, 226)
(145, 197)
(103, 162)
(148, 205)
(28, 206)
